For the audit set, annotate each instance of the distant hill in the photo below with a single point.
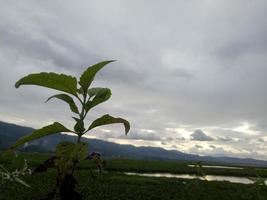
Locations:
(9, 133)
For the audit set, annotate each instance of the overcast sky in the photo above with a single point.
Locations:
(190, 75)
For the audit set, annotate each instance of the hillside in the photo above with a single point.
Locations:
(9, 133)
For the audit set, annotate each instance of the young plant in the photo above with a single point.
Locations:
(14, 176)
(69, 154)
(14, 172)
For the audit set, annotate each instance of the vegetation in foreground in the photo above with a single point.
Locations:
(149, 166)
(114, 186)
(69, 154)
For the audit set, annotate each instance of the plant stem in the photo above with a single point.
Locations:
(79, 139)
(82, 116)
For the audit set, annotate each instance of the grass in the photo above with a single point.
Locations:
(149, 166)
(178, 168)
(112, 185)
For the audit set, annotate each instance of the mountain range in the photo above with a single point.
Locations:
(9, 133)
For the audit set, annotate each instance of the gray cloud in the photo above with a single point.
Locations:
(261, 140)
(143, 136)
(207, 70)
(212, 146)
(164, 143)
(198, 146)
(180, 138)
(199, 135)
(224, 139)
(133, 136)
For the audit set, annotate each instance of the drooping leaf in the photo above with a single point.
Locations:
(67, 99)
(98, 95)
(51, 80)
(88, 75)
(47, 130)
(107, 119)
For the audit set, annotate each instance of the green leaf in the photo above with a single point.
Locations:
(79, 126)
(51, 80)
(99, 95)
(107, 119)
(47, 130)
(67, 99)
(88, 75)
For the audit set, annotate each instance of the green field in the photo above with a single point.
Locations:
(146, 166)
(113, 184)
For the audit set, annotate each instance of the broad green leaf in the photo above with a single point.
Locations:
(97, 91)
(88, 75)
(47, 130)
(107, 119)
(80, 90)
(79, 126)
(51, 80)
(98, 95)
(67, 99)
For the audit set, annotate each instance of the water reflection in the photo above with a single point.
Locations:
(217, 166)
(233, 179)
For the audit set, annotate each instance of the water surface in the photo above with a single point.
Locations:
(217, 166)
(232, 179)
